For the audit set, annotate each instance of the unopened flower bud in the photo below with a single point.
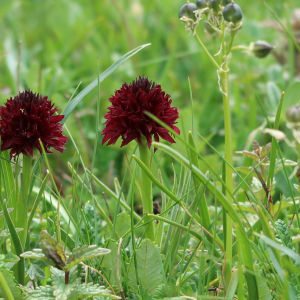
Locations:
(201, 4)
(293, 114)
(187, 10)
(232, 13)
(214, 4)
(261, 49)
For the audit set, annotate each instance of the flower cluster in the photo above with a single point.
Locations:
(26, 119)
(127, 119)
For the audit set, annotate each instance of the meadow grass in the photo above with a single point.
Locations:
(94, 196)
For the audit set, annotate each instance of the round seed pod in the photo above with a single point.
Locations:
(201, 4)
(232, 13)
(261, 49)
(214, 4)
(293, 114)
(187, 10)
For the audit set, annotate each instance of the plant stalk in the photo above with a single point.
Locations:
(147, 190)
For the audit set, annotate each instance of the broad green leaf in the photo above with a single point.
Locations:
(12, 284)
(41, 293)
(83, 253)
(123, 225)
(35, 271)
(249, 154)
(89, 290)
(71, 106)
(61, 291)
(10, 257)
(265, 150)
(109, 263)
(38, 254)
(264, 290)
(52, 249)
(277, 134)
(287, 163)
(148, 267)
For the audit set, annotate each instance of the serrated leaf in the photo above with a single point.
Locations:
(109, 263)
(35, 271)
(148, 267)
(89, 290)
(52, 250)
(83, 253)
(249, 154)
(265, 150)
(61, 291)
(41, 293)
(12, 284)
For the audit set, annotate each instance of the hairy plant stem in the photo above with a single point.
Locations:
(147, 190)
(223, 73)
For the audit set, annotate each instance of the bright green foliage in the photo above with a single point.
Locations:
(35, 271)
(83, 253)
(12, 284)
(109, 263)
(61, 290)
(149, 267)
(283, 234)
(71, 291)
(264, 290)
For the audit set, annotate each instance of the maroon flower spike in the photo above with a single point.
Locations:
(127, 118)
(27, 118)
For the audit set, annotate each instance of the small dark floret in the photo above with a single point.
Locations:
(261, 49)
(26, 119)
(187, 10)
(201, 4)
(233, 13)
(127, 119)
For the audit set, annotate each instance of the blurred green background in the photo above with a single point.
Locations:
(61, 42)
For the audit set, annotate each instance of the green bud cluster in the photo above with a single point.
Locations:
(229, 11)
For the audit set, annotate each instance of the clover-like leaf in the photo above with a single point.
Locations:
(83, 253)
(52, 250)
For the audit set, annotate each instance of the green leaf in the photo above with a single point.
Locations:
(123, 225)
(41, 293)
(89, 290)
(149, 267)
(71, 106)
(9, 210)
(265, 150)
(83, 253)
(37, 254)
(249, 154)
(287, 163)
(35, 271)
(10, 257)
(264, 290)
(52, 250)
(12, 284)
(109, 263)
(61, 291)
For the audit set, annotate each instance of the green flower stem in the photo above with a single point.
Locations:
(147, 190)
(228, 149)
(7, 294)
(206, 51)
(21, 209)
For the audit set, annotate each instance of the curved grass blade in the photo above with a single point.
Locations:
(71, 106)
(17, 244)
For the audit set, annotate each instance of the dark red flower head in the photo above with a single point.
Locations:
(25, 119)
(127, 119)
